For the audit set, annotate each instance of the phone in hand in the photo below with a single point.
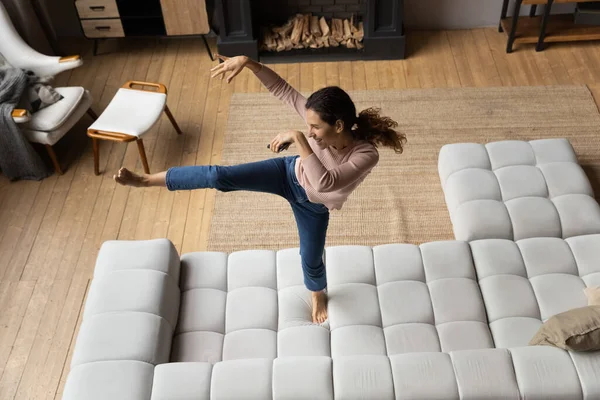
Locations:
(281, 148)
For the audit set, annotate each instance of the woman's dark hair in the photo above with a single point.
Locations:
(333, 103)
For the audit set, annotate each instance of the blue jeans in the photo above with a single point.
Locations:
(276, 176)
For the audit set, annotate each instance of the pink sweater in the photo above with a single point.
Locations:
(328, 175)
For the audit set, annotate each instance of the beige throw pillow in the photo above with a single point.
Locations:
(593, 295)
(577, 330)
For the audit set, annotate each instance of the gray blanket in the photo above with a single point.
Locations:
(18, 159)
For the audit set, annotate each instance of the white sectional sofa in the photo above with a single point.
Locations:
(443, 320)
(515, 190)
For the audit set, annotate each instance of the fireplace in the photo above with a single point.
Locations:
(242, 25)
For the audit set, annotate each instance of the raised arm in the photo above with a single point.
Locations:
(281, 89)
(269, 78)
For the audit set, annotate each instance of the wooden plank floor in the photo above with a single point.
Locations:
(50, 231)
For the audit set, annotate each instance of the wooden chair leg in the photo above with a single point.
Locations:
(96, 156)
(92, 114)
(143, 155)
(52, 155)
(168, 112)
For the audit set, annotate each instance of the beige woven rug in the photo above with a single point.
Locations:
(402, 200)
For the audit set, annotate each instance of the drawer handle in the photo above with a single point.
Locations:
(97, 8)
(103, 28)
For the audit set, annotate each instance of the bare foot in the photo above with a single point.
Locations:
(319, 304)
(127, 178)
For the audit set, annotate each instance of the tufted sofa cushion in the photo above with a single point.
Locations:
(376, 307)
(442, 320)
(525, 283)
(128, 322)
(405, 321)
(517, 190)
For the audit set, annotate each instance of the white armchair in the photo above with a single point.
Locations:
(49, 125)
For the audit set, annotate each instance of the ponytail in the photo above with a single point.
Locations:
(378, 130)
(333, 103)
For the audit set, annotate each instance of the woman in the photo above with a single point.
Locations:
(335, 157)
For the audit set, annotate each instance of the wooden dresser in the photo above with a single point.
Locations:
(122, 18)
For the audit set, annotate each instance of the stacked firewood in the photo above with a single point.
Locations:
(309, 31)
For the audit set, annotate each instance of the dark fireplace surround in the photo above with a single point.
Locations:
(240, 23)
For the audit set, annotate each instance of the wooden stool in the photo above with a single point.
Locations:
(130, 114)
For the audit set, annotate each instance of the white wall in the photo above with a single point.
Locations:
(460, 14)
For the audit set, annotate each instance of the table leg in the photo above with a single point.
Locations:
(547, 8)
(533, 10)
(503, 14)
(513, 30)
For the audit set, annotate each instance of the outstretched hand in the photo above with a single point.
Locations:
(234, 65)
